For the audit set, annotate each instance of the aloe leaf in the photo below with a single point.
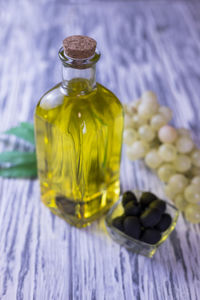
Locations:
(20, 171)
(25, 131)
(17, 157)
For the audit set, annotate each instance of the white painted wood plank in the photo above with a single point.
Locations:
(143, 47)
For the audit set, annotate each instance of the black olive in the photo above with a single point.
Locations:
(150, 236)
(147, 198)
(132, 227)
(132, 209)
(127, 197)
(150, 217)
(118, 222)
(159, 204)
(164, 223)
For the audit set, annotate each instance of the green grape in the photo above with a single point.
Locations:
(150, 103)
(153, 159)
(195, 156)
(128, 122)
(158, 121)
(182, 163)
(177, 183)
(146, 133)
(145, 120)
(137, 150)
(169, 192)
(165, 172)
(133, 106)
(138, 121)
(192, 213)
(167, 152)
(144, 112)
(192, 193)
(184, 144)
(196, 180)
(129, 136)
(167, 134)
(180, 202)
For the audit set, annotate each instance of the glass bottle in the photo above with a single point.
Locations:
(78, 131)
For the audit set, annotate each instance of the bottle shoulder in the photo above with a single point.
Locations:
(55, 96)
(101, 103)
(51, 99)
(108, 94)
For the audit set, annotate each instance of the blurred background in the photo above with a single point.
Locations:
(144, 45)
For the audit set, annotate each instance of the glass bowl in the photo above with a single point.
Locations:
(130, 243)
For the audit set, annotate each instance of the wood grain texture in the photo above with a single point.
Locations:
(144, 45)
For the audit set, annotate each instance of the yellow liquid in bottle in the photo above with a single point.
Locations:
(78, 143)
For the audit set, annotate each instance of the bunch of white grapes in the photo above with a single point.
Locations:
(170, 152)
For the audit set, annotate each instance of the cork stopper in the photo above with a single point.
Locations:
(79, 46)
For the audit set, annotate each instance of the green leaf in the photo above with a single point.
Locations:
(27, 125)
(20, 171)
(23, 164)
(17, 157)
(25, 131)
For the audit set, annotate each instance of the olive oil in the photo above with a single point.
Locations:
(78, 132)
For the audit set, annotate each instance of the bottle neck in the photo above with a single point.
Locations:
(77, 81)
(78, 75)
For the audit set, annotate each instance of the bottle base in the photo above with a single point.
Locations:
(82, 213)
(81, 223)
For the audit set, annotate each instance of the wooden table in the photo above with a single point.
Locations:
(145, 45)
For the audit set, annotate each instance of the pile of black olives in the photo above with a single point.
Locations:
(145, 219)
